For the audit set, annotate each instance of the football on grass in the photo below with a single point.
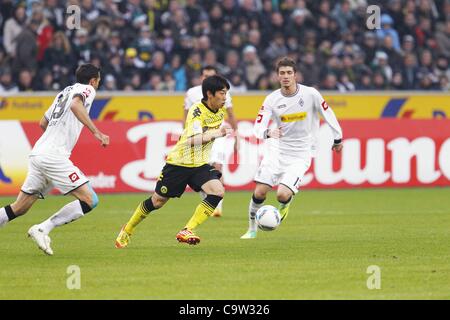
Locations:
(268, 218)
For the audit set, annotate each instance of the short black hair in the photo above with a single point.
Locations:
(213, 84)
(286, 62)
(86, 72)
(208, 67)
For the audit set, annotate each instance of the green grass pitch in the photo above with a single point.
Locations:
(321, 251)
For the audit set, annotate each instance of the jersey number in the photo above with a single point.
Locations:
(59, 108)
(259, 118)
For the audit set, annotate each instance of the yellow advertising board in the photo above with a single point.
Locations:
(128, 107)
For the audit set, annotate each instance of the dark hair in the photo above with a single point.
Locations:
(208, 67)
(213, 84)
(286, 62)
(86, 72)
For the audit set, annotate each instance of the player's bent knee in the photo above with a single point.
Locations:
(219, 192)
(156, 201)
(284, 197)
(258, 194)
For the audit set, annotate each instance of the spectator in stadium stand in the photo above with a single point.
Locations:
(253, 68)
(4, 58)
(58, 58)
(26, 49)
(408, 45)
(442, 67)
(330, 82)
(296, 24)
(443, 37)
(310, 67)
(397, 81)
(25, 82)
(12, 28)
(44, 31)
(7, 85)
(55, 14)
(394, 55)
(365, 81)
(129, 64)
(381, 64)
(444, 84)
(409, 71)
(109, 83)
(387, 29)
(81, 46)
(46, 81)
(379, 81)
(342, 14)
(178, 73)
(277, 48)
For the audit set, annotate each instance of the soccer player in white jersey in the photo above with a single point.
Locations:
(295, 109)
(49, 163)
(217, 160)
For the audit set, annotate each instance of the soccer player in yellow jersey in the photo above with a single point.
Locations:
(187, 164)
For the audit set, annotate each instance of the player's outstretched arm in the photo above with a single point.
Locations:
(81, 114)
(209, 135)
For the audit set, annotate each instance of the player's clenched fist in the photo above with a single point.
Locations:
(275, 133)
(103, 138)
(226, 130)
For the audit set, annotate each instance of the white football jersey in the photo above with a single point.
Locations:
(298, 117)
(63, 128)
(195, 94)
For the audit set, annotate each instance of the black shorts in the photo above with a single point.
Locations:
(174, 179)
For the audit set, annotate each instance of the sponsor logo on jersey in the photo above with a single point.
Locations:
(325, 105)
(164, 190)
(196, 112)
(301, 102)
(293, 117)
(281, 106)
(74, 177)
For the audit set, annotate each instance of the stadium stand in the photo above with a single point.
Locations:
(162, 45)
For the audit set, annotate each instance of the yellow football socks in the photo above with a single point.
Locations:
(138, 216)
(202, 212)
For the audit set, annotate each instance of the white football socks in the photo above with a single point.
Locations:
(3, 217)
(70, 212)
(252, 209)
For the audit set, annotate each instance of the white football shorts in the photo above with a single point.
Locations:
(45, 173)
(288, 171)
(218, 151)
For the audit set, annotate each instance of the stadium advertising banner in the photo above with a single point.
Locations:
(377, 153)
(246, 106)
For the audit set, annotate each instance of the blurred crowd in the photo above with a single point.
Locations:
(162, 44)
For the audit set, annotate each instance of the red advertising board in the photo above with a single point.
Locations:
(377, 153)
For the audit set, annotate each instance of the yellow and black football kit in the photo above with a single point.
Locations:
(187, 164)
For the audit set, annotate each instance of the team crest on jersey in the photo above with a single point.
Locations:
(301, 102)
(74, 177)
